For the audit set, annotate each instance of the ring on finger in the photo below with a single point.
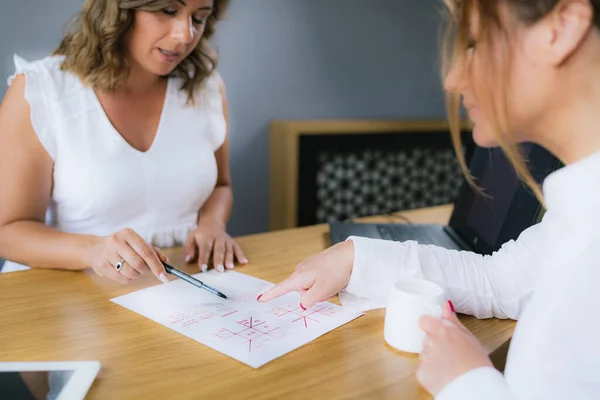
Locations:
(119, 265)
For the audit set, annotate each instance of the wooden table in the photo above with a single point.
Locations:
(59, 315)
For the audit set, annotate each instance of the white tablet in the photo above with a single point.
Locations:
(47, 380)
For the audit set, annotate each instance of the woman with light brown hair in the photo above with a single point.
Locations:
(119, 142)
(527, 71)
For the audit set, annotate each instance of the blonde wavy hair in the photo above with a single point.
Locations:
(94, 51)
(492, 40)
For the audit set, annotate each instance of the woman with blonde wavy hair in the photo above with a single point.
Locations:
(117, 144)
(527, 71)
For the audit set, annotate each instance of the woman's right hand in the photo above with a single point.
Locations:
(126, 247)
(319, 277)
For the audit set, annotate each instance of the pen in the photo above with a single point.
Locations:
(192, 280)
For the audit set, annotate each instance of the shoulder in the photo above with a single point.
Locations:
(213, 85)
(208, 110)
(45, 76)
(23, 117)
(219, 82)
(210, 94)
(49, 93)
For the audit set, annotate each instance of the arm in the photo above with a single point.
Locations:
(217, 208)
(26, 174)
(484, 286)
(554, 356)
(211, 235)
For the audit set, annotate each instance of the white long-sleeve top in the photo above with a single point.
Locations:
(548, 279)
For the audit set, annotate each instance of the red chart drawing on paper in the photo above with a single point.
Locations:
(257, 332)
(305, 317)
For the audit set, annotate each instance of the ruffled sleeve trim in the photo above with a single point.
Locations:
(36, 96)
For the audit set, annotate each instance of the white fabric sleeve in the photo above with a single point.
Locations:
(563, 356)
(562, 352)
(37, 98)
(212, 100)
(481, 383)
(483, 286)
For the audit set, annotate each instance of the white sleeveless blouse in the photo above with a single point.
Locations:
(101, 184)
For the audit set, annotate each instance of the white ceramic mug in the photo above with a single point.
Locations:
(409, 299)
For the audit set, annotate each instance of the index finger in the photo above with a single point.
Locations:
(296, 281)
(149, 256)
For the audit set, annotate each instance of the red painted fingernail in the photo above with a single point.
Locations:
(451, 306)
(302, 307)
(259, 296)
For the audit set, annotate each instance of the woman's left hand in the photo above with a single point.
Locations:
(449, 350)
(210, 237)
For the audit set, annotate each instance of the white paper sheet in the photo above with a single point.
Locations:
(240, 327)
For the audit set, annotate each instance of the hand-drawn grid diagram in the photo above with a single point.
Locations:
(259, 333)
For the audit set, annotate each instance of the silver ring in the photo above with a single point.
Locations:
(119, 265)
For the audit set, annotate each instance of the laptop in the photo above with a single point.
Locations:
(479, 223)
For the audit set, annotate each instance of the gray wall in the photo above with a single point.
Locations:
(287, 59)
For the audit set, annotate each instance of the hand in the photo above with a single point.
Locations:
(449, 350)
(126, 245)
(211, 237)
(319, 277)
